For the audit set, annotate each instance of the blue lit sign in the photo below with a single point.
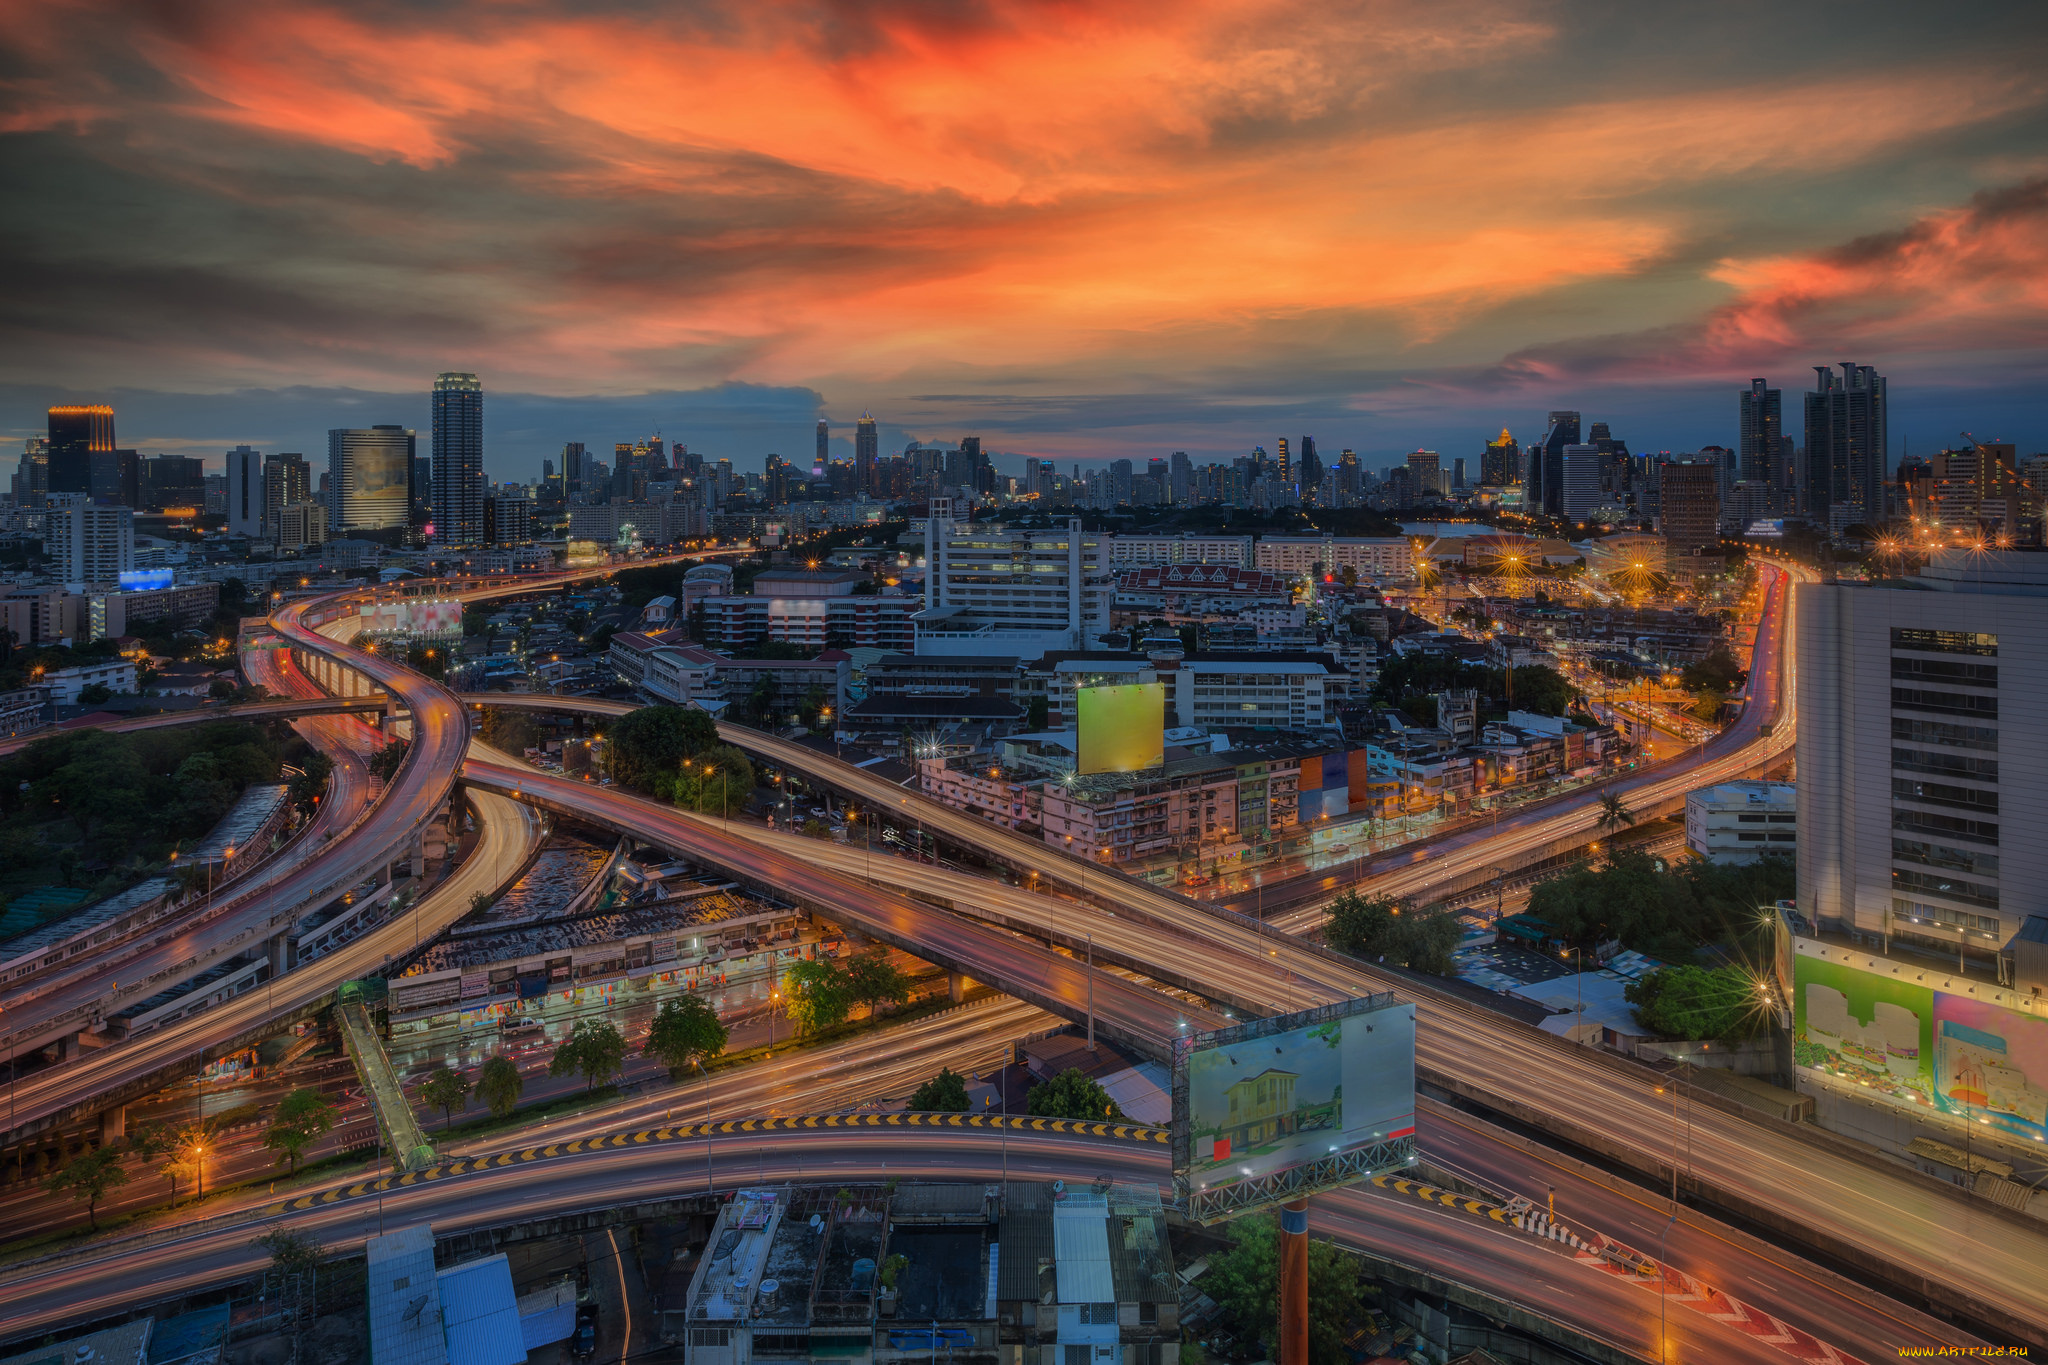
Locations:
(138, 580)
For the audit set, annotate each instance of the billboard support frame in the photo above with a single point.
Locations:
(1346, 1167)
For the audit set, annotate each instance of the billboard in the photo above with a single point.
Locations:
(412, 616)
(1906, 1039)
(1120, 727)
(1277, 1109)
(142, 580)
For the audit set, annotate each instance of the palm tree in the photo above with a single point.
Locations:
(1615, 815)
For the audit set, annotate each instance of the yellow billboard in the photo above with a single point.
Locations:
(1121, 727)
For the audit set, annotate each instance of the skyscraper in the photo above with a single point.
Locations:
(1689, 505)
(867, 451)
(573, 465)
(1181, 480)
(1286, 465)
(245, 493)
(1761, 434)
(92, 545)
(287, 482)
(824, 456)
(458, 460)
(1546, 464)
(1500, 462)
(32, 478)
(369, 478)
(1846, 441)
(76, 434)
(1584, 465)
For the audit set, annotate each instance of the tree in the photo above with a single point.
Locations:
(874, 981)
(1376, 927)
(311, 781)
(646, 747)
(595, 1051)
(719, 781)
(89, 1176)
(1072, 1095)
(814, 828)
(1719, 672)
(220, 689)
(513, 731)
(1245, 1281)
(686, 1032)
(944, 1093)
(292, 1252)
(499, 1085)
(1664, 913)
(94, 694)
(148, 1141)
(1615, 815)
(301, 1116)
(1039, 713)
(384, 763)
(1699, 1002)
(815, 995)
(447, 1091)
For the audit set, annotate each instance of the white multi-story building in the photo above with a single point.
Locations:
(1923, 751)
(90, 544)
(1226, 689)
(1384, 559)
(245, 493)
(1187, 548)
(1740, 822)
(992, 589)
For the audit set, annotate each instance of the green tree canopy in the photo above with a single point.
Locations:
(292, 1251)
(1719, 672)
(1376, 927)
(1245, 1282)
(302, 1116)
(873, 980)
(647, 747)
(1667, 914)
(499, 1085)
(1699, 1002)
(594, 1050)
(513, 731)
(685, 1032)
(944, 1093)
(1072, 1095)
(89, 1177)
(384, 763)
(719, 781)
(446, 1090)
(815, 995)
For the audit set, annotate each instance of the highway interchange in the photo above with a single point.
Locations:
(984, 935)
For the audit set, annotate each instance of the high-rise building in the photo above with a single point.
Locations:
(171, 483)
(1846, 439)
(1286, 472)
(287, 481)
(573, 462)
(1500, 462)
(1425, 470)
(823, 458)
(116, 477)
(1762, 433)
(1181, 479)
(1923, 753)
(32, 477)
(422, 489)
(867, 453)
(76, 433)
(1016, 592)
(1546, 464)
(1585, 464)
(245, 493)
(1689, 505)
(458, 460)
(369, 477)
(508, 518)
(91, 544)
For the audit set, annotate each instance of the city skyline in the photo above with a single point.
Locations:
(1087, 238)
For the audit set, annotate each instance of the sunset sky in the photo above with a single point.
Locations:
(1083, 231)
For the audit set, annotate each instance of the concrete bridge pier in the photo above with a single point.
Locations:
(113, 1124)
(956, 986)
(284, 954)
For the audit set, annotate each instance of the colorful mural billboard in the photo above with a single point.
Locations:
(1919, 1046)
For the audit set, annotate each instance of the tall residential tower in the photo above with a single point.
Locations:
(458, 501)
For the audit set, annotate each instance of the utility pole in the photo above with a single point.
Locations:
(1294, 1282)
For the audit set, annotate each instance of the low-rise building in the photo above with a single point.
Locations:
(64, 685)
(1384, 559)
(1206, 690)
(1740, 822)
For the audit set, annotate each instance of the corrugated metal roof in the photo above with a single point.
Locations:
(1026, 1239)
(480, 1314)
(405, 1299)
(1080, 1240)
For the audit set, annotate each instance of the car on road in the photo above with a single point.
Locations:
(583, 1341)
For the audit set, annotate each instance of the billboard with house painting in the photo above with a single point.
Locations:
(1919, 1037)
(1278, 1108)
